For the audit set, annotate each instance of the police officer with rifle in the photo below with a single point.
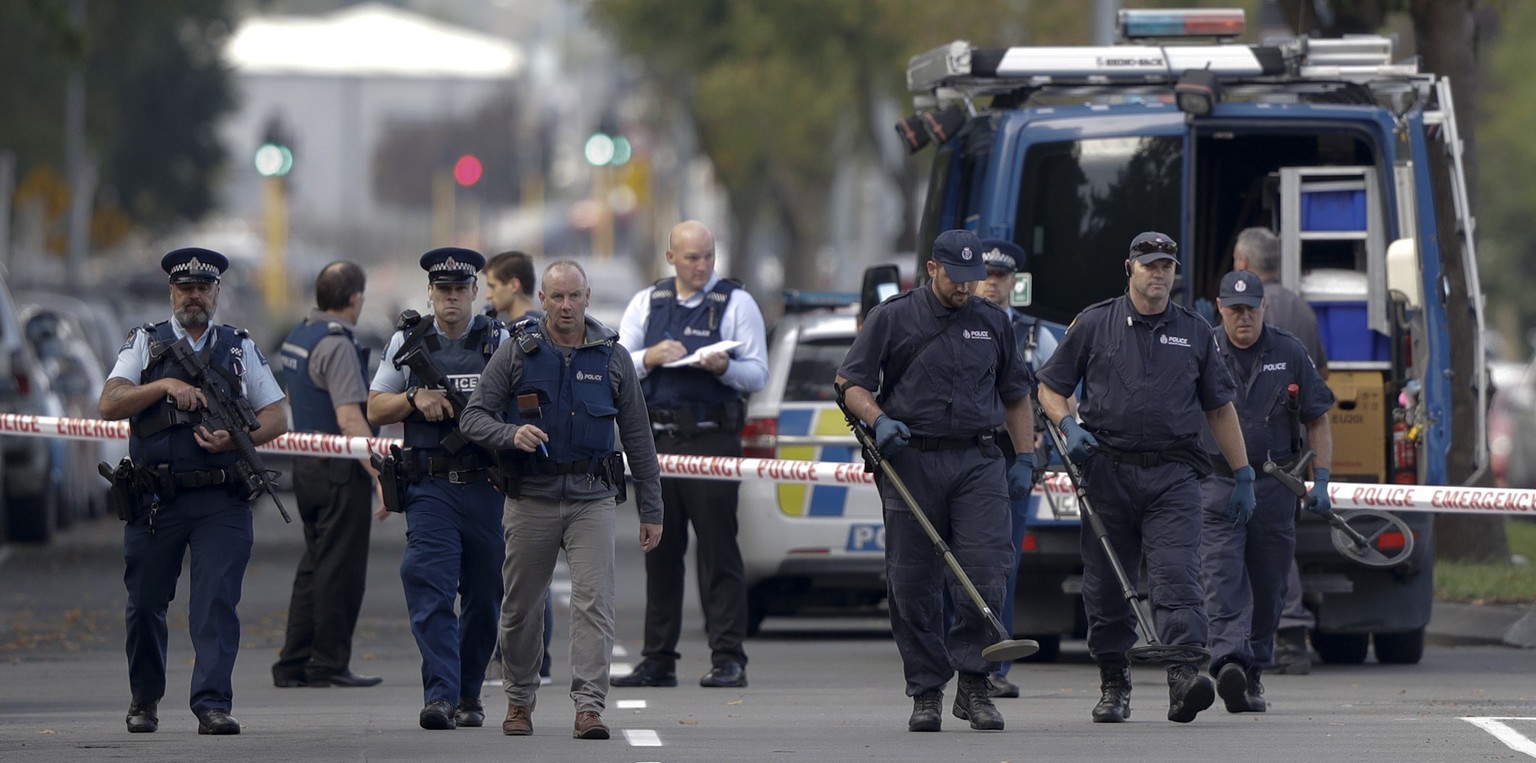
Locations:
(200, 398)
(444, 484)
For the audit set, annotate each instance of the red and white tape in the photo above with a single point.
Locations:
(1345, 495)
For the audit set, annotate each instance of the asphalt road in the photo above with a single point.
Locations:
(820, 690)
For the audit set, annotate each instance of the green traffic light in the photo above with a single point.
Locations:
(273, 160)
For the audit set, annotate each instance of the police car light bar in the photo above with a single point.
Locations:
(1183, 22)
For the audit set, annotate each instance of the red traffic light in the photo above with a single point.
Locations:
(467, 170)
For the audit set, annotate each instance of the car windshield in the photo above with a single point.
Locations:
(814, 366)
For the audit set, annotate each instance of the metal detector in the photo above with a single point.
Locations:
(1154, 652)
(1006, 649)
(1350, 542)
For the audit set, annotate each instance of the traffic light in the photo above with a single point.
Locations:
(603, 150)
(468, 170)
(273, 160)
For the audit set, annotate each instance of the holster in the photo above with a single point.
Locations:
(613, 474)
(124, 495)
(505, 475)
(390, 479)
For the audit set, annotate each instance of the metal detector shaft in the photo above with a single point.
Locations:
(1096, 525)
(1295, 485)
(1007, 649)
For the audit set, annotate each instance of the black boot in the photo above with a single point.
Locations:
(1256, 703)
(1291, 654)
(1115, 702)
(973, 702)
(927, 711)
(1232, 685)
(1189, 692)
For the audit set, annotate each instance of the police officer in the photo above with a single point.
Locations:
(1151, 378)
(695, 409)
(1004, 259)
(327, 377)
(1244, 565)
(549, 401)
(949, 375)
(509, 285)
(453, 539)
(1258, 250)
(190, 500)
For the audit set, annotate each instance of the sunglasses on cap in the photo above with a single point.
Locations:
(1155, 246)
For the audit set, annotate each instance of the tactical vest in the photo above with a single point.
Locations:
(462, 360)
(576, 407)
(686, 388)
(313, 410)
(162, 434)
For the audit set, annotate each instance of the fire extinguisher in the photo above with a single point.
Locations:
(1404, 452)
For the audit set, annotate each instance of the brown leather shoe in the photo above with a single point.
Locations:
(519, 722)
(589, 725)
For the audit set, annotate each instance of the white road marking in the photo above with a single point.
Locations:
(642, 738)
(1501, 731)
(620, 651)
(620, 669)
(630, 704)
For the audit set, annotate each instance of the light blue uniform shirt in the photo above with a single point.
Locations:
(257, 385)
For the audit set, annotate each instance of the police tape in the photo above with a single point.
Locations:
(1443, 499)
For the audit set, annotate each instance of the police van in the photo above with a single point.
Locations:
(1350, 157)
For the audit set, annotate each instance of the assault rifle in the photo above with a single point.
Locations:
(416, 353)
(230, 411)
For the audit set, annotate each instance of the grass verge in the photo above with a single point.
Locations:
(1493, 583)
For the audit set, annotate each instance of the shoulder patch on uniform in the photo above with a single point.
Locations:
(128, 341)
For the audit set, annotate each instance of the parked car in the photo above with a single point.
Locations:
(32, 465)
(58, 333)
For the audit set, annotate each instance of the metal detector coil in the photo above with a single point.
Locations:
(1354, 544)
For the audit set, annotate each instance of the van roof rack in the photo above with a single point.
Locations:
(958, 71)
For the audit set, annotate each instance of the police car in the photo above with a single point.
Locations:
(807, 546)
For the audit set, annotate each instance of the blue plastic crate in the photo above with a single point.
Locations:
(1333, 210)
(1342, 327)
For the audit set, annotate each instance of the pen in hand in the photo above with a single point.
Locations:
(543, 449)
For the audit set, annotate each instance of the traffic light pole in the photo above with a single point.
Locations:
(275, 277)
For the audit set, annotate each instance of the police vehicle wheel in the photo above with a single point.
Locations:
(1341, 648)
(1405, 648)
(1050, 647)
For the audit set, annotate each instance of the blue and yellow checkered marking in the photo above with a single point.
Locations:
(799, 500)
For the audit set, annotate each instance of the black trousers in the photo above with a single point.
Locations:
(335, 498)
(710, 507)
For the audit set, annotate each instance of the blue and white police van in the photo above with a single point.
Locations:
(1351, 157)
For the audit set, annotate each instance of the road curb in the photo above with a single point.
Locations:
(1458, 623)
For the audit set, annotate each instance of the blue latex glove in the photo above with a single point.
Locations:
(890, 435)
(1080, 444)
(1241, 505)
(1021, 477)
(1322, 504)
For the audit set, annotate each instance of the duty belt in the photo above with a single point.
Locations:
(189, 480)
(584, 466)
(1135, 457)
(459, 470)
(928, 444)
(1220, 468)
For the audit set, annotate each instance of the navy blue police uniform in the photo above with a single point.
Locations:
(1147, 382)
(188, 499)
(1244, 567)
(948, 374)
(334, 496)
(454, 548)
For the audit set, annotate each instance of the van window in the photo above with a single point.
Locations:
(813, 368)
(1080, 204)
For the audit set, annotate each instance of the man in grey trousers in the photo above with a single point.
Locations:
(547, 403)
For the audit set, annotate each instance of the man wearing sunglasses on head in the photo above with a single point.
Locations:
(1152, 378)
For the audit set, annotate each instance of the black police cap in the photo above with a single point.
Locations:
(194, 264)
(452, 264)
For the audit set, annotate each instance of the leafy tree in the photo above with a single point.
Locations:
(155, 86)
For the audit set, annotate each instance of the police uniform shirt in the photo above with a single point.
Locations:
(391, 379)
(1147, 380)
(334, 365)
(742, 321)
(1283, 308)
(1262, 372)
(257, 384)
(959, 384)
